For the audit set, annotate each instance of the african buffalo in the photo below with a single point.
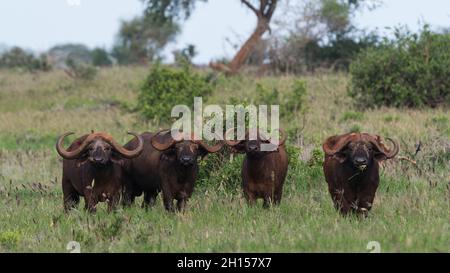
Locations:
(92, 168)
(263, 172)
(166, 164)
(351, 169)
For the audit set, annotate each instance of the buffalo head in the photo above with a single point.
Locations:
(359, 149)
(252, 144)
(98, 148)
(180, 148)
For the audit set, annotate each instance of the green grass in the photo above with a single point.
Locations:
(410, 214)
(350, 115)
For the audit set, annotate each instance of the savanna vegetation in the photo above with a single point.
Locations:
(410, 211)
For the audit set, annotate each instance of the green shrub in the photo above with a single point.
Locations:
(80, 70)
(317, 157)
(9, 239)
(410, 71)
(17, 58)
(266, 95)
(295, 100)
(100, 57)
(219, 171)
(291, 102)
(166, 87)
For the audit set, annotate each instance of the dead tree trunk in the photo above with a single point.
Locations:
(263, 15)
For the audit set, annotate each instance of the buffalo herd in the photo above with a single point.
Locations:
(99, 169)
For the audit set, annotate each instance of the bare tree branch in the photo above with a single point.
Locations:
(271, 9)
(264, 15)
(250, 6)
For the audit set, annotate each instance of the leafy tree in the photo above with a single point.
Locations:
(61, 53)
(176, 10)
(185, 55)
(263, 11)
(80, 70)
(312, 33)
(142, 39)
(165, 87)
(17, 58)
(100, 57)
(170, 10)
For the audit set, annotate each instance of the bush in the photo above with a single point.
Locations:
(295, 101)
(80, 70)
(166, 87)
(291, 103)
(17, 58)
(9, 239)
(100, 57)
(411, 71)
(217, 171)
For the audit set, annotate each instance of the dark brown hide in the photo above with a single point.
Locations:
(172, 168)
(263, 172)
(352, 171)
(94, 171)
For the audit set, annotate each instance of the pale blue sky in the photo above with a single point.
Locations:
(38, 25)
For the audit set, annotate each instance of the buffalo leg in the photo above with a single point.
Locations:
(71, 197)
(181, 204)
(250, 197)
(113, 201)
(340, 201)
(127, 200)
(71, 201)
(129, 192)
(267, 202)
(168, 201)
(128, 197)
(149, 199)
(90, 202)
(277, 197)
(366, 195)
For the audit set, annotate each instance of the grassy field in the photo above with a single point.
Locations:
(410, 214)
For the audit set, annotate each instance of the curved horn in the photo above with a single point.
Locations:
(341, 142)
(127, 153)
(389, 153)
(231, 142)
(210, 149)
(72, 154)
(162, 146)
(283, 137)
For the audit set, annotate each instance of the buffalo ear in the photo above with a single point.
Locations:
(379, 156)
(202, 152)
(238, 148)
(329, 143)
